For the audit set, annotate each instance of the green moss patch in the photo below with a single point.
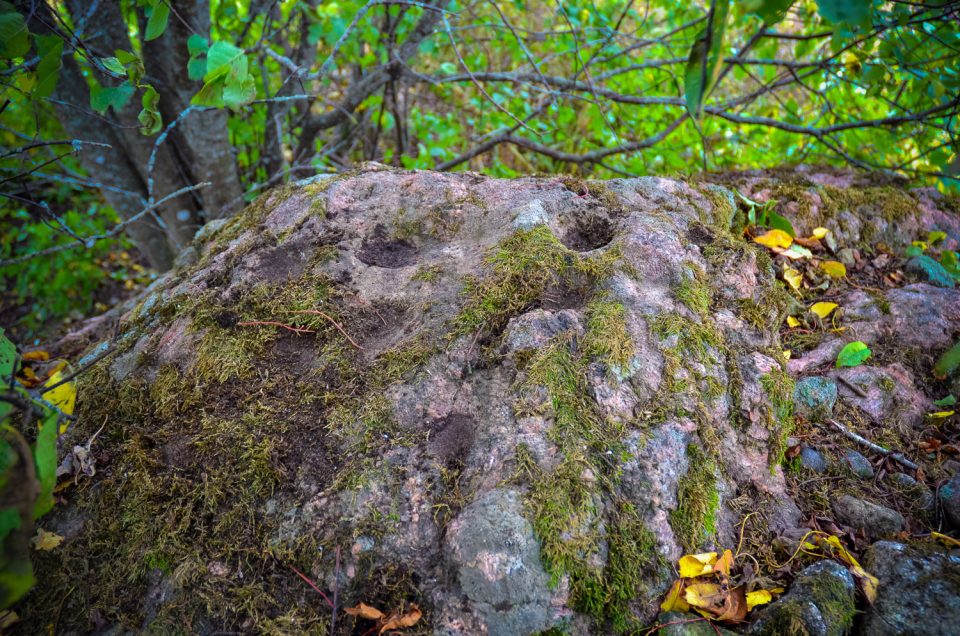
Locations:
(524, 268)
(694, 521)
(779, 388)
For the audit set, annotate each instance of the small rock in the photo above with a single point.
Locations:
(859, 464)
(951, 466)
(919, 592)
(847, 256)
(677, 624)
(530, 215)
(902, 481)
(821, 602)
(950, 500)
(492, 547)
(929, 271)
(815, 397)
(208, 230)
(812, 459)
(876, 520)
(187, 257)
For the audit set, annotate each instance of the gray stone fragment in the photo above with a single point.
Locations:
(815, 397)
(812, 459)
(677, 624)
(858, 464)
(929, 270)
(530, 215)
(876, 520)
(820, 602)
(497, 559)
(919, 592)
(950, 500)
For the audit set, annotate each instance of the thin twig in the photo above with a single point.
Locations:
(897, 457)
(336, 579)
(317, 312)
(261, 323)
(311, 584)
(850, 385)
(116, 229)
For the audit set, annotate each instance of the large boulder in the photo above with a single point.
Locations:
(919, 590)
(510, 403)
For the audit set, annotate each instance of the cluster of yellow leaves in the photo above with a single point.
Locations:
(63, 395)
(705, 586)
(387, 622)
(796, 249)
(816, 542)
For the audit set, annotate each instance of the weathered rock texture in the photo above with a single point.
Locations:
(513, 403)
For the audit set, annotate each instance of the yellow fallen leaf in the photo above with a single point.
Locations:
(793, 277)
(693, 565)
(823, 309)
(7, 619)
(674, 601)
(774, 238)
(724, 563)
(921, 244)
(948, 540)
(46, 541)
(786, 354)
(64, 397)
(758, 597)
(792, 322)
(365, 611)
(940, 415)
(702, 595)
(40, 356)
(834, 269)
(868, 582)
(820, 232)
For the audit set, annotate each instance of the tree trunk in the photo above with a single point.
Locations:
(201, 140)
(107, 34)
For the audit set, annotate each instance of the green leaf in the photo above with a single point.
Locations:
(150, 120)
(703, 65)
(210, 95)
(116, 97)
(14, 40)
(157, 23)
(854, 12)
(126, 57)
(950, 400)
(914, 250)
(45, 457)
(196, 68)
(114, 65)
(777, 222)
(770, 11)
(50, 48)
(8, 360)
(16, 579)
(236, 94)
(947, 363)
(853, 354)
(9, 521)
(224, 58)
(197, 45)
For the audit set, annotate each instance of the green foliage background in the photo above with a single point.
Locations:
(632, 72)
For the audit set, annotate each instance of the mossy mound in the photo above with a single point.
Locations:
(336, 375)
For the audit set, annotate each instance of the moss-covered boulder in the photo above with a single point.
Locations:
(511, 403)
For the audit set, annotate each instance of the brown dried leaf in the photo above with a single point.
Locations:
(399, 621)
(365, 611)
